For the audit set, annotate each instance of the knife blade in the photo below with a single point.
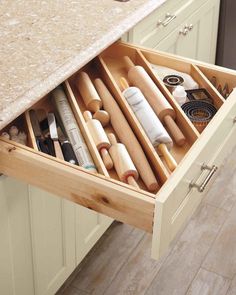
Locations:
(37, 132)
(43, 122)
(54, 135)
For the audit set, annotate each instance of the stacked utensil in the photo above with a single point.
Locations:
(50, 138)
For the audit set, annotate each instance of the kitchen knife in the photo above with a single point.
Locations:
(66, 147)
(54, 135)
(42, 116)
(37, 132)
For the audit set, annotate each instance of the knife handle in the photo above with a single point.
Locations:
(68, 152)
(41, 146)
(58, 150)
(50, 145)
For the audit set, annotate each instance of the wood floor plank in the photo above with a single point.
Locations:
(208, 283)
(72, 291)
(222, 257)
(183, 263)
(137, 274)
(105, 262)
(222, 193)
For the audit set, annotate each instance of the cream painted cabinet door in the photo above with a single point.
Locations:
(53, 240)
(16, 268)
(90, 226)
(42, 238)
(196, 38)
(37, 230)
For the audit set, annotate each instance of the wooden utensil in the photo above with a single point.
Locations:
(139, 77)
(100, 138)
(126, 135)
(123, 164)
(152, 126)
(91, 98)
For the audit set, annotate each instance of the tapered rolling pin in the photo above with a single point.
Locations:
(122, 162)
(152, 126)
(100, 138)
(139, 77)
(91, 98)
(126, 135)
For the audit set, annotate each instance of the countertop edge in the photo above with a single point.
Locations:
(33, 95)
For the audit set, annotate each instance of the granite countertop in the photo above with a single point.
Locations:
(45, 42)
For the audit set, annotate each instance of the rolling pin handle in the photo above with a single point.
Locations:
(170, 161)
(174, 130)
(124, 83)
(128, 63)
(112, 139)
(87, 116)
(102, 116)
(132, 181)
(106, 158)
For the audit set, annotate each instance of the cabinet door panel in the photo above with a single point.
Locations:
(16, 270)
(90, 226)
(53, 240)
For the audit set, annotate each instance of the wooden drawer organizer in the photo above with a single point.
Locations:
(164, 212)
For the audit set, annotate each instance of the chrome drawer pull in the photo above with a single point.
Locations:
(168, 19)
(201, 187)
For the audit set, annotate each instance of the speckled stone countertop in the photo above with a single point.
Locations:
(45, 42)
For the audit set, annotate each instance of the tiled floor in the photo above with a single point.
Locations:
(202, 261)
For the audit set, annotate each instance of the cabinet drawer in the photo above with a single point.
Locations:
(163, 21)
(203, 30)
(161, 212)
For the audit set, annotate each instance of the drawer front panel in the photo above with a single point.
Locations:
(179, 200)
(97, 193)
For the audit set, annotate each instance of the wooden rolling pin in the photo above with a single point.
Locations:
(152, 126)
(122, 162)
(139, 77)
(100, 138)
(126, 135)
(91, 98)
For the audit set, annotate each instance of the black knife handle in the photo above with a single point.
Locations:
(50, 145)
(68, 152)
(41, 146)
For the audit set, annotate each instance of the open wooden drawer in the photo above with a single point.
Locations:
(164, 211)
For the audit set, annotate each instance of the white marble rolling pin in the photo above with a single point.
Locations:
(139, 77)
(152, 126)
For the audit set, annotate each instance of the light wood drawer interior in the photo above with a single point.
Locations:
(103, 191)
